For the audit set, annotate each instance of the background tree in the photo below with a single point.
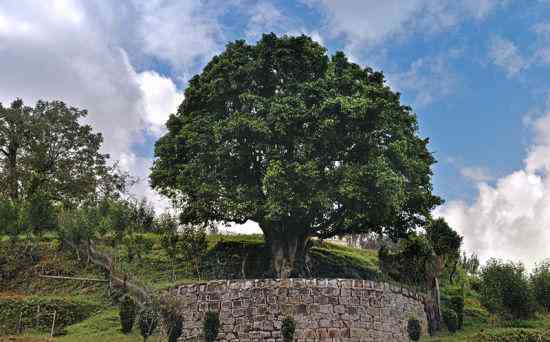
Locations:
(540, 281)
(171, 240)
(505, 290)
(421, 259)
(47, 150)
(303, 144)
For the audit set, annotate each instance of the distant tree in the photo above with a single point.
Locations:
(446, 247)
(10, 219)
(470, 264)
(540, 280)
(194, 244)
(421, 259)
(505, 290)
(305, 145)
(46, 150)
(41, 213)
(171, 240)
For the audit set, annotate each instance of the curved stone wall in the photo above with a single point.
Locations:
(324, 309)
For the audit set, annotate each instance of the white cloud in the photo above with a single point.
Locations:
(476, 174)
(510, 220)
(429, 79)
(370, 22)
(161, 98)
(58, 50)
(183, 33)
(505, 54)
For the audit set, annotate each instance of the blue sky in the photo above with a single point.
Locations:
(475, 72)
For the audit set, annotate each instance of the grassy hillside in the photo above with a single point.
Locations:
(94, 314)
(90, 313)
(243, 256)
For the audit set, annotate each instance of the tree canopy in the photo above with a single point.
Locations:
(47, 150)
(302, 143)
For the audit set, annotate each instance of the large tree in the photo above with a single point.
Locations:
(302, 143)
(46, 150)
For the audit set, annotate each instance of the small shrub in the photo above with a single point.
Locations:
(288, 328)
(451, 320)
(540, 281)
(505, 290)
(148, 320)
(175, 328)
(211, 326)
(456, 303)
(414, 329)
(172, 318)
(127, 314)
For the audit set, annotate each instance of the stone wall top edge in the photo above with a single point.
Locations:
(300, 283)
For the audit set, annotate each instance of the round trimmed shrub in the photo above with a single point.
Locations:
(288, 329)
(127, 313)
(148, 320)
(175, 328)
(451, 320)
(414, 329)
(211, 326)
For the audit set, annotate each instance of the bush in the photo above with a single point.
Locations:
(172, 319)
(41, 214)
(175, 328)
(148, 320)
(513, 334)
(540, 281)
(451, 320)
(127, 314)
(456, 303)
(414, 329)
(288, 329)
(211, 326)
(505, 290)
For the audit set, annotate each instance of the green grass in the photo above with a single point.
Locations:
(242, 256)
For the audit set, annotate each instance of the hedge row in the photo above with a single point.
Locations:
(37, 314)
(514, 335)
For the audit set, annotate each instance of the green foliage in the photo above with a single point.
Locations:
(288, 329)
(505, 290)
(41, 214)
(540, 280)
(414, 329)
(513, 335)
(470, 263)
(47, 150)
(36, 313)
(444, 240)
(301, 143)
(211, 326)
(172, 319)
(194, 245)
(11, 218)
(456, 303)
(127, 314)
(148, 321)
(408, 264)
(451, 320)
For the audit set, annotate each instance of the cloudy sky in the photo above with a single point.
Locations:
(475, 71)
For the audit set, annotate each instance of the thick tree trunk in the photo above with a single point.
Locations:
(288, 249)
(433, 303)
(433, 308)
